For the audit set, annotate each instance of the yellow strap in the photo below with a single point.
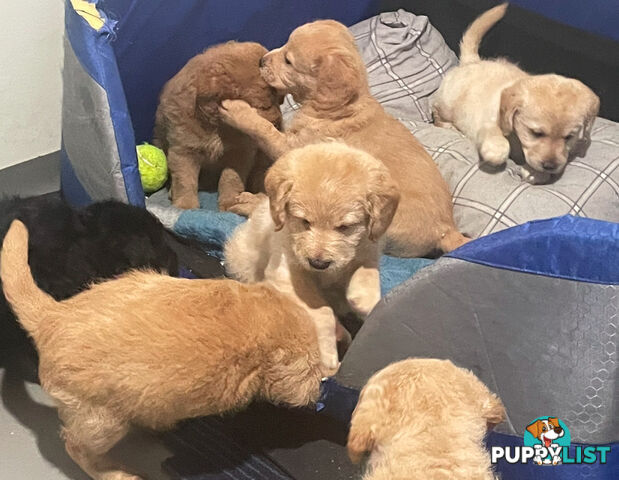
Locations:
(88, 12)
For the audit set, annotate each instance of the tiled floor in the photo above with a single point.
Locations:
(31, 449)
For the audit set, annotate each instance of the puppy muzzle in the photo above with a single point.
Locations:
(319, 264)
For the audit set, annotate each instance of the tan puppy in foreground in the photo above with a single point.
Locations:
(151, 350)
(319, 241)
(424, 419)
(547, 119)
(321, 67)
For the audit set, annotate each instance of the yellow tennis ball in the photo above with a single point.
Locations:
(153, 167)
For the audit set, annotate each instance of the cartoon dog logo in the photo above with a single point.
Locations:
(547, 431)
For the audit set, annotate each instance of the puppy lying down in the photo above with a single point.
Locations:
(150, 350)
(318, 236)
(201, 150)
(424, 419)
(543, 120)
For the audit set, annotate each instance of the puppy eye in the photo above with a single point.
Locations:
(569, 137)
(538, 133)
(287, 60)
(306, 224)
(343, 228)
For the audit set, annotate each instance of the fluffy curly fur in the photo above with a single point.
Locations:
(321, 67)
(200, 149)
(424, 419)
(150, 350)
(543, 120)
(318, 236)
(71, 248)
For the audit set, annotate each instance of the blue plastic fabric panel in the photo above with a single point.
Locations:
(95, 54)
(155, 38)
(568, 247)
(596, 16)
(72, 189)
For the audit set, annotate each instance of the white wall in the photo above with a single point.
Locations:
(31, 33)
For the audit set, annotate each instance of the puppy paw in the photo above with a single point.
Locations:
(495, 150)
(186, 203)
(534, 177)
(330, 360)
(238, 114)
(329, 370)
(363, 302)
(245, 203)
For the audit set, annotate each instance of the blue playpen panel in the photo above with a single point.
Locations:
(574, 248)
(600, 17)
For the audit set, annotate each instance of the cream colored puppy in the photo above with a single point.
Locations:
(318, 235)
(424, 419)
(543, 120)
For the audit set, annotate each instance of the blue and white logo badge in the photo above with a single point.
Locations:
(547, 436)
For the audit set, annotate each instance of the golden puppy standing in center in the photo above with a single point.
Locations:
(318, 236)
(322, 69)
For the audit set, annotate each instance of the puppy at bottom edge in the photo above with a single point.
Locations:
(424, 419)
(111, 358)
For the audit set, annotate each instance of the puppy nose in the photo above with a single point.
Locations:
(261, 62)
(318, 264)
(547, 165)
(558, 430)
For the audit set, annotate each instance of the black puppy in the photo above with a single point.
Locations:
(71, 248)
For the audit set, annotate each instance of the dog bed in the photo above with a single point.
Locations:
(119, 54)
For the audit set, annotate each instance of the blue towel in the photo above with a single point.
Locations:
(212, 228)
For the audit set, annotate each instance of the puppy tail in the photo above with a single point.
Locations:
(452, 240)
(471, 39)
(25, 297)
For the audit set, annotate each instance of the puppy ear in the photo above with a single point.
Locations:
(511, 100)
(213, 85)
(383, 199)
(278, 184)
(591, 111)
(340, 79)
(534, 428)
(493, 410)
(554, 421)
